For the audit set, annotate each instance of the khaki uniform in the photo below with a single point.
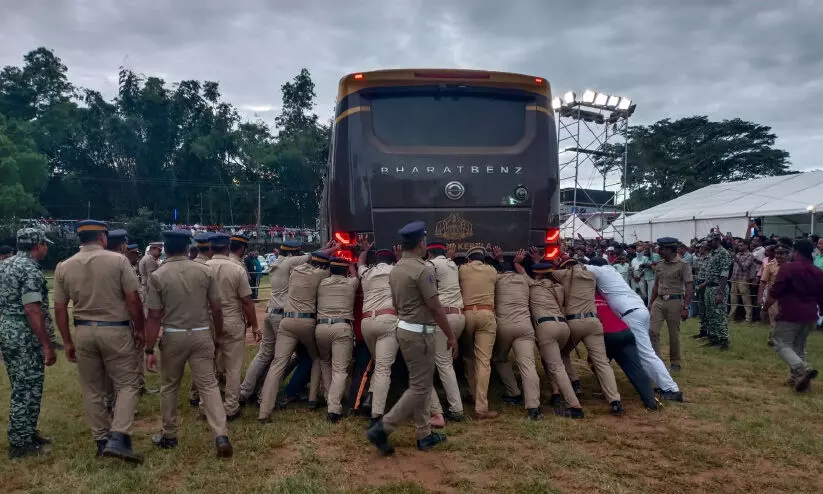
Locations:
(96, 281)
(146, 267)
(334, 335)
(768, 278)
(448, 291)
(182, 289)
(378, 325)
(546, 300)
(279, 278)
(477, 283)
(233, 286)
(297, 326)
(412, 283)
(581, 317)
(515, 331)
(671, 284)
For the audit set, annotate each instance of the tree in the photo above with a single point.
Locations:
(143, 228)
(671, 158)
(23, 171)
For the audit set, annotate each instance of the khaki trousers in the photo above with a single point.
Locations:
(668, 311)
(551, 337)
(445, 366)
(520, 337)
(741, 288)
(291, 332)
(335, 343)
(418, 353)
(480, 333)
(107, 351)
(265, 353)
(589, 331)
(196, 348)
(231, 345)
(379, 335)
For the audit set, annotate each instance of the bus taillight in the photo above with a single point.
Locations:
(344, 238)
(552, 234)
(551, 252)
(344, 254)
(358, 77)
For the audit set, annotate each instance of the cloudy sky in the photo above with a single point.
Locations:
(756, 59)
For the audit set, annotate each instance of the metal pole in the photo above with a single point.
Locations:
(576, 170)
(811, 226)
(258, 211)
(625, 172)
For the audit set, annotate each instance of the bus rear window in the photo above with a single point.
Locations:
(446, 118)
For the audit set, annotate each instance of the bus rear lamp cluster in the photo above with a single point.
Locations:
(344, 254)
(551, 250)
(343, 238)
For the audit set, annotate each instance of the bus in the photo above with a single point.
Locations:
(471, 153)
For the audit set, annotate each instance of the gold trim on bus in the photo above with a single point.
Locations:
(351, 111)
(539, 108)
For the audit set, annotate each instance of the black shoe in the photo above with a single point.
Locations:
(513, 400)
(535, 413)
(374, 420)
(164, 442)
(554, 400)
(334, 417)
(699, 336)
(366, 403)
(672, 396)
(101, 445)
(430, 441)
(36, 438)
(282, 403)
(454, 416)
(194, 403)
(30, 449)
(804, 381)
(224, 449)
(617, 408)
(378, 437)
(578, 388)
(569, 413)
(119, 446)
(264, 421)
(724, 345)
(313, 405)
(675, 367)
(236, 415)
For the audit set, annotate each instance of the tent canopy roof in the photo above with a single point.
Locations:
(574, 226)
(768, 196)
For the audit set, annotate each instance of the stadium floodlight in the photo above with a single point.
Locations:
(569, 98)
(600, 99)
(624, 104)
(588, 96)
(557, 103)
(613, 101)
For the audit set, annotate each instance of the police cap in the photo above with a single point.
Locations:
(31, 237)
(542, 267)
(668, 242)
(134, 247)
(319, 258)
(476, 250)
(220, 240)
(176, 235)
(91, 226)
(118, 234)
(436, 246)
(240, 238)
(339, 262)
(291, 245)
(413, 231)
(203, 239)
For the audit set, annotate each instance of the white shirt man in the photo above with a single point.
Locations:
(630, 307)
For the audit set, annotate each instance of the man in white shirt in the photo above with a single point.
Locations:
(630, 307)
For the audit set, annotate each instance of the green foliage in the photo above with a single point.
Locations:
(143, 228)
(23, 171)
(671, 158)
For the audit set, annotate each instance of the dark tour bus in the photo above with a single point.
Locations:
(471, 153)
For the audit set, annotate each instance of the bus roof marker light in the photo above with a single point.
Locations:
(601, 99)
(538, 80)
(624, 104)
(557, 103)
(613, 102)
(588, 96)
(569, 98)
(358, 77)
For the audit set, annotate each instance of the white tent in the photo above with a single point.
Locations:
(781, 202)
(574, 226)
(613, 233)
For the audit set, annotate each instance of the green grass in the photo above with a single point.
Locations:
(740, 431)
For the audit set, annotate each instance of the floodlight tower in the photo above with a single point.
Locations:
(586, 123)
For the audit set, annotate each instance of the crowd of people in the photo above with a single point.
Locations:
(416, 302)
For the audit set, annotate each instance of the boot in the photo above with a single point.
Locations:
(617, 408)
(366, 403)
(430, 441)
(378, 437)
(224, 449)
(534, 413)
(30, 449)
(119, 446)
(513, 400)
(164, 442)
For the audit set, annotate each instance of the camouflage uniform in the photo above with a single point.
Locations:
(44, 307)
(21, 283)
(717, 266)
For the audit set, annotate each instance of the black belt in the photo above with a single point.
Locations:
(298, 315)
(82, 322)
(677, 296)
(584, 315)
(333, 320)
(629, 312)
(274, 310)
(550, 319)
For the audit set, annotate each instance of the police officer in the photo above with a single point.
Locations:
(181, 292)
(515, 331)
(148, 264)
(546, 302)
(297, 326)
(379, 322)
(448, 291)
(334, 335)
(133, 255)
(23, 340)
(716, 271)
(670, 298)
(202, 245)
(104, 294)
(414, 291)
(238, 314)
(477, 282)
(239, 244)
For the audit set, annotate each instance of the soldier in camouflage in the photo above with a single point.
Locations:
(716, 275)
(24, 342)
